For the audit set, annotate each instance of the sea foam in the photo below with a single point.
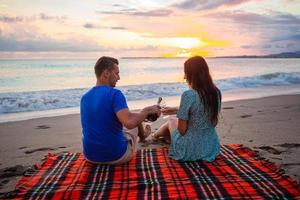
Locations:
(15, 102)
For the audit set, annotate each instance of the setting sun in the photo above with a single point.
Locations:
(188, 43)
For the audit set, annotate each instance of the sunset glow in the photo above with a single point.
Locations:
(147, 28)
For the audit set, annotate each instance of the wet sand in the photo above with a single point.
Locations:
(269, 126)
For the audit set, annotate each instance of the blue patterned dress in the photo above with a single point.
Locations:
(200, 141)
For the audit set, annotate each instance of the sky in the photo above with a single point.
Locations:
(147, 28)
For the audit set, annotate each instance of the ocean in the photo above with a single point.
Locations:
(39, 88)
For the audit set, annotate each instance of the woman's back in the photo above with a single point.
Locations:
(198, 118)
(200, 140)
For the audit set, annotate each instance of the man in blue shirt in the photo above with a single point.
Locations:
(104, 112)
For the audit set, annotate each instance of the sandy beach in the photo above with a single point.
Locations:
(268, 125)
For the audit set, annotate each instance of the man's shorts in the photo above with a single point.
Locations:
(130, 151)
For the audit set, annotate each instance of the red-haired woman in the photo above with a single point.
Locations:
(193, 134)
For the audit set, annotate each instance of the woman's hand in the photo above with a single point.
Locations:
(169, 110)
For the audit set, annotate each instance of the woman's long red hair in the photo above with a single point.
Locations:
(197, 75)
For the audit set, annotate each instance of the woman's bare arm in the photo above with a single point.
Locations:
(182, 126)
(169, 110)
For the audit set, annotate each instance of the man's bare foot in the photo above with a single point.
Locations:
(144, 132)
(154, 138)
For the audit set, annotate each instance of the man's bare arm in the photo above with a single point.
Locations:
(131, 120)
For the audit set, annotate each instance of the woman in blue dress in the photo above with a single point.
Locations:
(192, 134)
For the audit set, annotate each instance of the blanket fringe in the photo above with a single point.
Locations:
(276, 168)
(31, 171)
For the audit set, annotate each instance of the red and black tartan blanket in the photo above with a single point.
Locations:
(235, 174)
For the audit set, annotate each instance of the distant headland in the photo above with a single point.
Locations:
(295, 54)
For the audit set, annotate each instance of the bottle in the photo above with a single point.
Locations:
(153, 116)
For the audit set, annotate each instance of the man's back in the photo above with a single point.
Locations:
(103, 139)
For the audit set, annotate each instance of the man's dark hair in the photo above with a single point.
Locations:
(104, 63)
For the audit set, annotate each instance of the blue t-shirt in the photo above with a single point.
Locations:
(102, 132)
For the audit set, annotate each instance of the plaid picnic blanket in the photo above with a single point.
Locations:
(235, 174)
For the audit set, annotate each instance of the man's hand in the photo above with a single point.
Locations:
(131, 120)
(155, 109)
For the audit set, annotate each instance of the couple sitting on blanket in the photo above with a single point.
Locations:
(104, 113)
